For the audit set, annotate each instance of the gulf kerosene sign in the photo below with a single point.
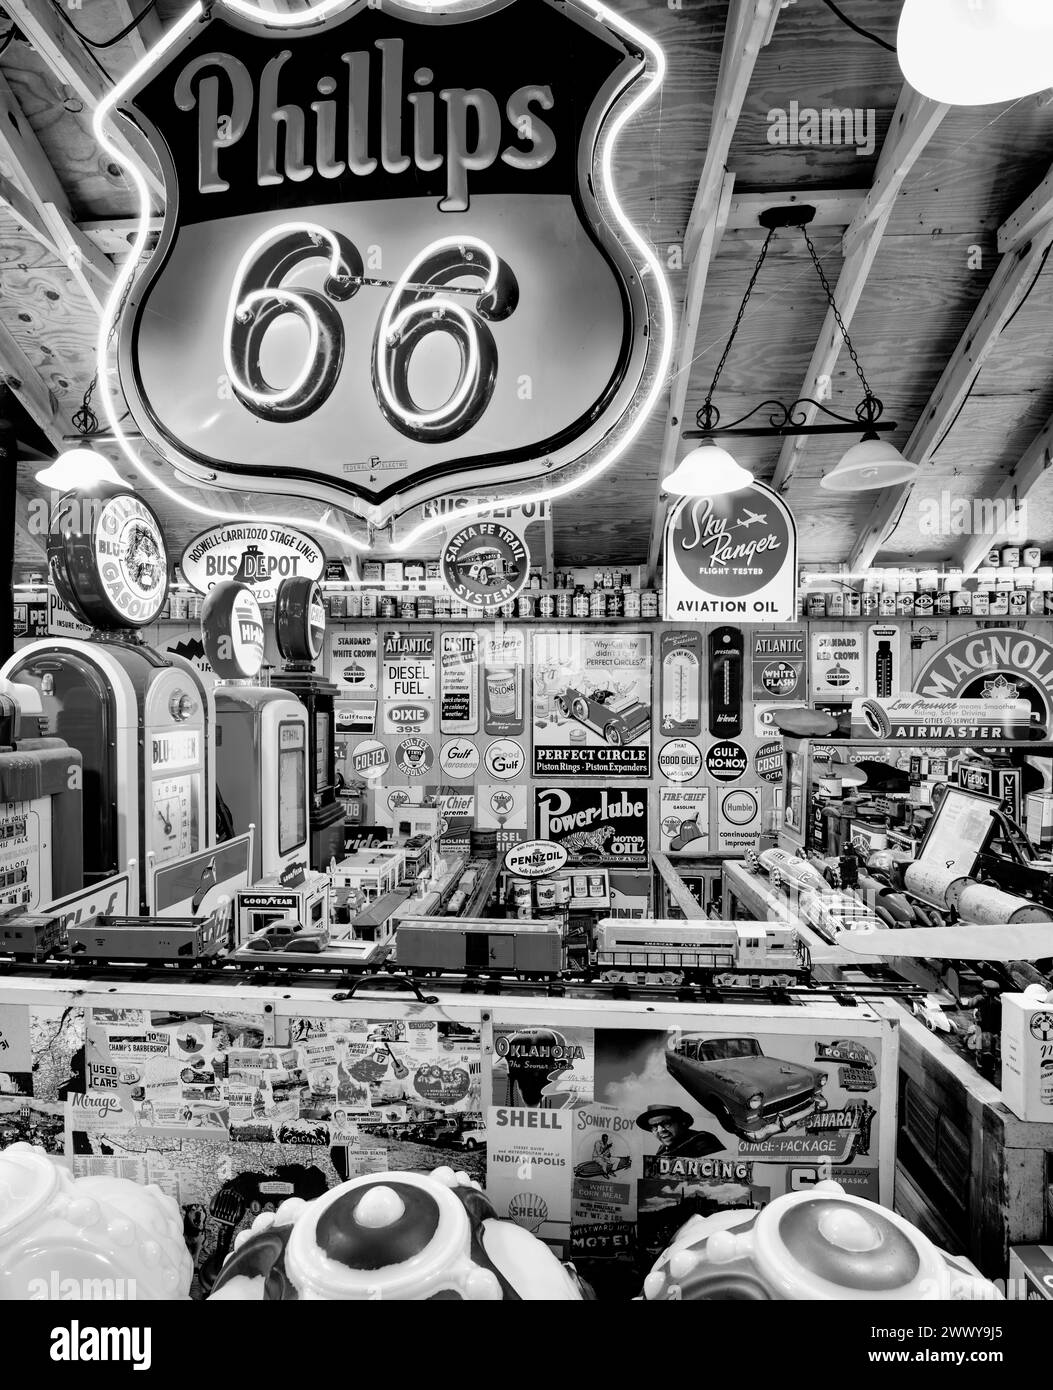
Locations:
(383, 270)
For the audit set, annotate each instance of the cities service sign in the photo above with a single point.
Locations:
(384, 270)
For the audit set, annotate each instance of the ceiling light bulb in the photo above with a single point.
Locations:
(708, 471)
(79, 469)
(966, 53)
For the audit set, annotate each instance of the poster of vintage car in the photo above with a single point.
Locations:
(669, 1123)
(591, 711)
(595, 825)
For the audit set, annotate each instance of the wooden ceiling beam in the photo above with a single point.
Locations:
(749, 27)
(143, 36)
(914, 121)
(18, 373)
(1005, 293)
(1032, 214)
(1015, 487)
(76, 67)
(835, 207)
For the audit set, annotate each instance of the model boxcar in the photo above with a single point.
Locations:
(431, 945)
(30, 936)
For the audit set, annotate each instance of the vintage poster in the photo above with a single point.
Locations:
(606, 1171)
(738, 819)
(779, 665)
(595, 825)
(838, 667)
(502, 808)
(884, 660)
(528, 1169)
(504, 681)
(406, 1091)
(25, 1120)
(16, 1053)
(459, 682)
(409, 667)
(684, 820)
(592, 703)
(546, 1067)
(353, 660)
(704, 1147)
(680, 671)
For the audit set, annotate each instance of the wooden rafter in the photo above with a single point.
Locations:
(914, 121)
(146, 32)
(77, 68)
(749, 27)
(1021, 479)
(1005, 293)
(18, 373)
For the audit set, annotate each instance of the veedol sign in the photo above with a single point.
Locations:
(383, 271)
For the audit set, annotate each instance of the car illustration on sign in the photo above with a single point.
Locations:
(749, 1094)
(617, 722)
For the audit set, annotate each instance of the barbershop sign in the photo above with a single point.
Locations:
(383, 272)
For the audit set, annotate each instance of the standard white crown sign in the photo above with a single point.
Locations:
(383, 272)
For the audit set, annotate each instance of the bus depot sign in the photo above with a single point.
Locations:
(383, 271)
(255, 554)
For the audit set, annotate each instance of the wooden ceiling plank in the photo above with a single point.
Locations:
(18, 373)
(37, 545)
(748, 28)
(27, 162)
(143, 35)
(833, 208)
(86, 263)
(1006, 291)
(914, 121)
(1018, 483)
(697, 274)
(76, 67)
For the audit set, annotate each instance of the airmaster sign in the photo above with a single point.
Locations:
(993, 664)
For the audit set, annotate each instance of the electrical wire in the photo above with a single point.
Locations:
(866, 33)
(114, 38)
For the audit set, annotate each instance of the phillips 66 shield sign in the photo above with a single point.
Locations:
(383, 270)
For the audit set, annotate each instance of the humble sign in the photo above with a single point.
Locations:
(382, 248)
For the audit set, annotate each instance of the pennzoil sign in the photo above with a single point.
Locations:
(383, 270)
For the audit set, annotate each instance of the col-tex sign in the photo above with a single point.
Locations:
(383, 272)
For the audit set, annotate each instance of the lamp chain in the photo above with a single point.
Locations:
(867, 410)
(707, 416)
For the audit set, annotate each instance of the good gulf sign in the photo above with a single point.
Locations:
(258, 556)
(463, 142)
(535, 858)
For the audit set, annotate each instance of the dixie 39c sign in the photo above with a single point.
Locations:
(383, 271)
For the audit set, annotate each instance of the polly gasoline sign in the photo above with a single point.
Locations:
(415, 192)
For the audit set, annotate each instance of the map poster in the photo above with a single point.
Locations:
(591, 711)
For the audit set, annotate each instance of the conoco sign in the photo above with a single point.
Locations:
(383, 271)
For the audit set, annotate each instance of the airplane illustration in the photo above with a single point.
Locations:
(752, 519)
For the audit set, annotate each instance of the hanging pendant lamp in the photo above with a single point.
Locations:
(976, 52)
(708, 471)
(870, 464)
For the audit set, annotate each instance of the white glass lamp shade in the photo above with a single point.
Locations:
(871, 464)
(708, 471)
(79, 470)
(976, 52)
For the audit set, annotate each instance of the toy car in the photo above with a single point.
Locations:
(287, 936)
(783, 867)
(617, 723)
(471, 1137)
(750, 1095)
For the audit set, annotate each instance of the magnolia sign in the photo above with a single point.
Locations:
(997, 663)
(732, 556)
(383, 247)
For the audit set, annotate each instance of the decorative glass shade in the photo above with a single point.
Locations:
(871, 464)
(708, 471)
(972, 54)
(79, 469)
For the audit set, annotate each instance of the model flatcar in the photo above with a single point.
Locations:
(675, 952)
(146, 939)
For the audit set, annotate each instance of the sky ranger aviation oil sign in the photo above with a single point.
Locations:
(382, 250)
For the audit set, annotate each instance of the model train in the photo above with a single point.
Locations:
(664, 953)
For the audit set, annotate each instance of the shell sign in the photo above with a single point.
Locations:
(383, 239)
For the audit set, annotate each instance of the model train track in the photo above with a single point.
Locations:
(877, 984)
